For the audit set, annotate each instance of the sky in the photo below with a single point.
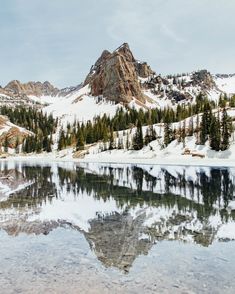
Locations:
(59, 40)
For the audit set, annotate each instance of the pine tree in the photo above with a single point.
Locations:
(184, 133)
(215, 134)
(127, 141)
(222, 101)
(191, 127)
(226, 125)
(111, 139)
(232, 101)
(61, 141)
(80, 140)
(168, 134)
(89, 133)
(179, 133)
(205, 124)
(150, 135)
(197, 129)
(138, 141)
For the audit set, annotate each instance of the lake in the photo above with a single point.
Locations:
(108, 228)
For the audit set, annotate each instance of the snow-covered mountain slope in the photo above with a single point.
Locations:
(225, 83)
(78, 105)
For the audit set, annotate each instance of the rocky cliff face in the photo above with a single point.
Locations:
(31, 88)
(115, 76)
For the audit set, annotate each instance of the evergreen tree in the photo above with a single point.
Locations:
(226, 125)
(197, 129)
(150, 135)
(215, 134)
(168, 134)
(80, 141)
(232, 101)
(89, 133)
(138, 141)
(184, 133)
(111, 140)
(179, 133)
(205, 124)
(191, 127)
(222, 101)
(61, 141)
(127, 141)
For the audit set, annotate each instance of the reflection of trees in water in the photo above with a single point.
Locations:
(41, 190)
(200, 194)
(117, 239)
(217, 188)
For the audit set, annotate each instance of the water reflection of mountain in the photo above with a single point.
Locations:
(122, 212)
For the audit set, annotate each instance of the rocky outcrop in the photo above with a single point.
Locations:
(31, 88)
(13, 133)
(115, 76)
(144, 70)
(203, 79)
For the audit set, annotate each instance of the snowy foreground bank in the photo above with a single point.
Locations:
(151, 155)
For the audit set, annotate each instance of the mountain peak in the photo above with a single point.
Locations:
(125, 50)
(115, 76)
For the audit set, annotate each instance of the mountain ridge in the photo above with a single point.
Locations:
(119, 77)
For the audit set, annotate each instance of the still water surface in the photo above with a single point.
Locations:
(96, 228)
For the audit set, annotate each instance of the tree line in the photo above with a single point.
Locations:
(105, 129)
(215, 127)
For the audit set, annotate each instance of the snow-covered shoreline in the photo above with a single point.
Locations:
(178, 160)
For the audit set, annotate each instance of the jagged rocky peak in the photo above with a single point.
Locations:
(31, 88)
(115, 76)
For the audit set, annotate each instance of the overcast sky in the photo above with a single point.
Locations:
(59, 40)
